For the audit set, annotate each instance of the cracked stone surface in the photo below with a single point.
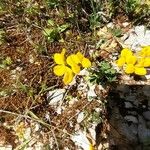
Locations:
(129, 117)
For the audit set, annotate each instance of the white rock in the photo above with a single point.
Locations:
(7, 147)
(55, 96)
(92, 133)
(39, 146)
(82, 86)
(91, 92)
(36, 127)
(138, 37)
(147, 77)
(110, 25)
(47, 116)
(59, 110)
(28, 148)
(125, 24)
(72, 101)
(80, 117)
(84, 72)
(81, 140)
(19, 68)
(27, 133)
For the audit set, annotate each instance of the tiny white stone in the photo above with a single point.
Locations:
(55, 96)
(147, 77)
(110, 25)
(80, 117)
(37, 127)
(125, 24)
(82, 86)
(84, 72)
(81, 140)
(27, 133)
(18, 68)
(39, 146)
(91, 91)
(31, 59)
(93, 133)
(59, 110)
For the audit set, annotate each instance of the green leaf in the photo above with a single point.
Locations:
(47, 31)
(51, 34)
(51, 22)
(63, 27)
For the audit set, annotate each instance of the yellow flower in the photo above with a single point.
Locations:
(131, 60)
(140, 71)
(74, 60)
(126, 52)
(121, 61)
(70, 66)
(129, 69)
(61, 69)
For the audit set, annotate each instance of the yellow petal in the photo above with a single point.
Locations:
(80, 56)
(126, 52)
(121, 61)
(140, 63)
(129, 69)
(148, 52)
(70, 61)
(142, 53)
(145, 51)
(75, 68)
(86, 63)
(131, 60)
(59, 59)
(59, 70)
(147, 62)
(140, 71)
(63, 51)
(76, 59)
(68, 76)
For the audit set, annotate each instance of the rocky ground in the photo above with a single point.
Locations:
(102, 108)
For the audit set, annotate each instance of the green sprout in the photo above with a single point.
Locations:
(104, 73)
(53, 31)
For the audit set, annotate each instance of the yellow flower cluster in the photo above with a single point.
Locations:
(135, 63)
(70, 66)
